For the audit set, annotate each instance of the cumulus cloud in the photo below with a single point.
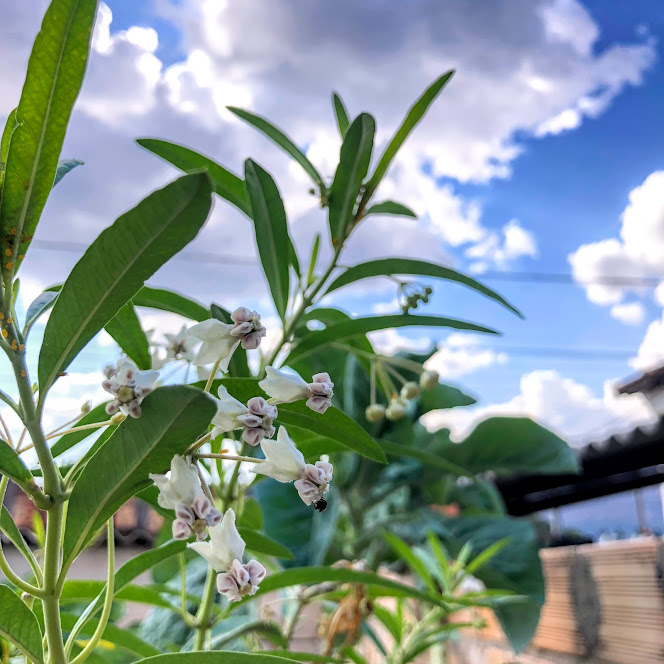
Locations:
(564, 405)
(651, 350)
(631, 313)
(497, 251)
(461, 354)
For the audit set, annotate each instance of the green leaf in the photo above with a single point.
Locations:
(340, 114)
(515, 568)
(19, 625)
(75, 591)
(313, 259)
(308, 575)
(64, 167)
(443, 396)
(352, 169)
(282, 141)
(260, 543)
(391, 266)
(55, 73)
(38, 307)
(334, 423)
(116, 265)
(271, 231)
(125, 328)
(341, 331)
(415, 114)
(228, 185)
(10, 126)
(172, 418)
(97, 414)
(165, 300)
(430, 460)
(218, 656)
(390, 207)
(12, 465)
(113, 634)
(410, 558)
(10, 529)
(509, 445)
(302, 656)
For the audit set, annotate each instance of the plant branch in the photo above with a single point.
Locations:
(231, 457)
(205, 610)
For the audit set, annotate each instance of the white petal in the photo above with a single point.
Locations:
(146, 378)
(123, 367)
(210, 329)
(228, 410)
(206, 550)
(167, 498)
(282, 386)
(226, 541)
(284, 461)
(275, 472)
(184, 480)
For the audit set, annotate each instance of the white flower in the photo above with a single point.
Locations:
(181, 485)
(240, 580)
(285, 463)
(181, 490)
(218, 343)
(283, 387)
(128, 385)
(180, 346)
(221, 339)
(225, 544)
(255, 418)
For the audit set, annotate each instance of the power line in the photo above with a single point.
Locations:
(491, 275)
(567, 352)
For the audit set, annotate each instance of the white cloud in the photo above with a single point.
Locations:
(651, 351)
(460, 355)
(389, 342)
(567, 407)
(631, 313)
(493, 250)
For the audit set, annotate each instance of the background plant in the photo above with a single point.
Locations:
(400, 467)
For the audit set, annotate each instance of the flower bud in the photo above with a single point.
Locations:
(86, 407)
(375, 412)
(429, 380)
(118, 418)
(396, 410)
(410, 390)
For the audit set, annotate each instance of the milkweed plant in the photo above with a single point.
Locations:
(250, 415)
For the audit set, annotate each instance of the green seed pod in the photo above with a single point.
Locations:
(375, 412)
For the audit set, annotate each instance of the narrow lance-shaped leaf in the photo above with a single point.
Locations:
(392, 266)
(64, 167)
(172, 418)
(353, 166)
(340, 114)
(115, 267)
(228, 185)
(261, 543)
(216, 657)
(165, 300)
(271, 230)
(283, 141)
(125, 328)
(341, 331)
(39, 306)
(12, 465)
(390, 207)
(7, 132)
(55, 73)
(19, 625)
(97, 414)
(415, 114)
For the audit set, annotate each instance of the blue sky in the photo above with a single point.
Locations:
(528, 158)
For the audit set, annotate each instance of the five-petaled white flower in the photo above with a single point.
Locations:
(255, 418)
(224, 554)
(285, 463)
(286, 387)
(179, 346)
(128, 385)
(180, 490)
(221, 339)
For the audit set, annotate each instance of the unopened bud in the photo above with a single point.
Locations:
(410, 390)
(375, 412)
(429, 380)
(118, 418)
(396, 410)
(428, 290)
(86, 407)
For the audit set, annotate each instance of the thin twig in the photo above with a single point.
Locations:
(230, 457)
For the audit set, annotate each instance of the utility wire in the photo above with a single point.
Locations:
(491, 275)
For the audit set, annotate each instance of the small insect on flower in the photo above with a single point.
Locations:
(129, 385)
(224, 554)
(180, 490)
(255, 418)
(287, 387)
(285, 463)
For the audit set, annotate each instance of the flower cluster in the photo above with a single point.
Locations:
(398, 404)
(180, 490)
(129, 386)
(224, 554)
(255, 419)
(283, 387)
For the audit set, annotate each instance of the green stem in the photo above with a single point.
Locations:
(213, 373)
(205, 609)
(51, 599)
